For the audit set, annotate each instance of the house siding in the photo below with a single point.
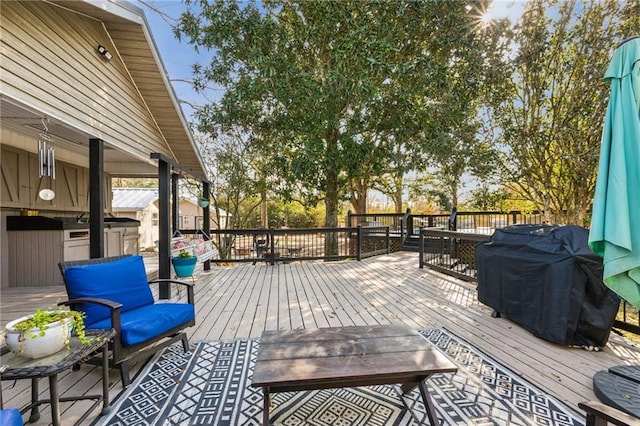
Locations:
(20, 184)
(50, 62)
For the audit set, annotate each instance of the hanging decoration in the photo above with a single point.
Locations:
(46, 155)
(46, 160)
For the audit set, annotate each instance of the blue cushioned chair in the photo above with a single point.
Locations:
(113, 292)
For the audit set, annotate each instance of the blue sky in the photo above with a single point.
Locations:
(179, 57)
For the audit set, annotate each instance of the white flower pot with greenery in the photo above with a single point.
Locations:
(44, 333)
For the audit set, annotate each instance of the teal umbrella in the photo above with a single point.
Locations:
(615, 225)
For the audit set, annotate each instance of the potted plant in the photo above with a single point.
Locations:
(203, 202)
(44, 332)
(184, 263)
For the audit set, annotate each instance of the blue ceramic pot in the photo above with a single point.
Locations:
(184, 266)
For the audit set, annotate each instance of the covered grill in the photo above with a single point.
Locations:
(547, 279)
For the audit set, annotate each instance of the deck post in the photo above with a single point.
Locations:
(421, 249)
(206, 220)
(96, 198)
(164, 237)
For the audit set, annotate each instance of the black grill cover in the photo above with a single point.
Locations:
(547, 279)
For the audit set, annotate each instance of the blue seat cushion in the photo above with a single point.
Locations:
(147, 322)
(123, 281)
(10, 417)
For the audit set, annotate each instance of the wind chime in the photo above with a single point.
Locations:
(46, 161)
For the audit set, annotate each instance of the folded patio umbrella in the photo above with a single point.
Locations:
(615, 225)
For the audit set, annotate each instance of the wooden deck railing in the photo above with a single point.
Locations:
(297, 244)
(453, 253)
(450, 252)
(460, 221)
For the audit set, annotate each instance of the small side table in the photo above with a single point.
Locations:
(16, 368)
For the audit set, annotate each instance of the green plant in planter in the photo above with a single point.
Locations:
(183, 254)
(203, 202)
(35, 326)
(184, 263)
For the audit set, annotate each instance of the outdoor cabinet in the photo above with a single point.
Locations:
(119, 241)
(34, 255)
(36, 244)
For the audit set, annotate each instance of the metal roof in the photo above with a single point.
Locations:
(133, 198)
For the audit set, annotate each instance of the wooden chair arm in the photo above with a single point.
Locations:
(104, 302)
(169, 280)
(190, 293)
(598, 414)
(114, 307)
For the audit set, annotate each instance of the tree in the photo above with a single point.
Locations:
(551, 108)
(307, 76)
(134, 182)
(238, 184)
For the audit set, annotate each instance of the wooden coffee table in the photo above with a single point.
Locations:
(323, 358)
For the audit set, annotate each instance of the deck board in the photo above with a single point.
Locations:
(244, 300)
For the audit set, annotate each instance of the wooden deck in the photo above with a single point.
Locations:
(242, 301)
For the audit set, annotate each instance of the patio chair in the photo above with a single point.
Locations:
(114, 292)
(261, 245)
(599, 414)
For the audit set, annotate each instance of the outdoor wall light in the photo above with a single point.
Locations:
(104, 52)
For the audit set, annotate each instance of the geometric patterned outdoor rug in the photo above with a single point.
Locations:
(210, 386)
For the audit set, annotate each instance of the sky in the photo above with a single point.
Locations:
(178, 57)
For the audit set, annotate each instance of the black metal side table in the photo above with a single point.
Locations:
(16, 368)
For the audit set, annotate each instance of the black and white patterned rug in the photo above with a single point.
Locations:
(210, 386)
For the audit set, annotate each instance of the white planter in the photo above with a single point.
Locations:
(53, 340)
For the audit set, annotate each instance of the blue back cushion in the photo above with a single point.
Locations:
(123, 281)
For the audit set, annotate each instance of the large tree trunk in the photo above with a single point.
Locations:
(331, 221)
(359, 196)
(397, 194)
(331, 200)
(264, 217)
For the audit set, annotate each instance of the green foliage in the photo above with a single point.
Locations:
(240, 177)
(325, 100)
(551, 107)
(184, 254)
(290, 214)
(484, 198)
(134, 183)
(327, 91)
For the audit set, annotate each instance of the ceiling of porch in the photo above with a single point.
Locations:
(71, 145)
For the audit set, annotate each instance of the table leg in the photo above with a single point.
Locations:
(406, 388)
(267, 404)
(592, 420)
(55, 401)
(105, 380)
(35, 409)
(428, 404)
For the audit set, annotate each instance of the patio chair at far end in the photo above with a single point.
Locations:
(114, 292)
